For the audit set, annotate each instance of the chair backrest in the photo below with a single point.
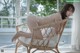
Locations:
(32, 22)
(55, 38)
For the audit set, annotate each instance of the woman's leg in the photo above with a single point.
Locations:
(23, 34)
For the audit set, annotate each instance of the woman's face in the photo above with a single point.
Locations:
(69, 12)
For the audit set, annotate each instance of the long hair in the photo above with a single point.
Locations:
(65, 9)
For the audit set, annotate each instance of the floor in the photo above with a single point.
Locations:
(20, 50)
(10, 47)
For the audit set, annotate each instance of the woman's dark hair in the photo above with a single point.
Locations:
(65, 9)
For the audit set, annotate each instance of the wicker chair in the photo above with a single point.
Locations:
(41, 37)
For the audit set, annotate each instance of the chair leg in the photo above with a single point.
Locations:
(28, 50)
(17, 45)
(57, 50)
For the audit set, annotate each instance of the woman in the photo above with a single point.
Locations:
(33, 21)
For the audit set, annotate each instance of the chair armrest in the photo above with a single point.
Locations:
(17, 27)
